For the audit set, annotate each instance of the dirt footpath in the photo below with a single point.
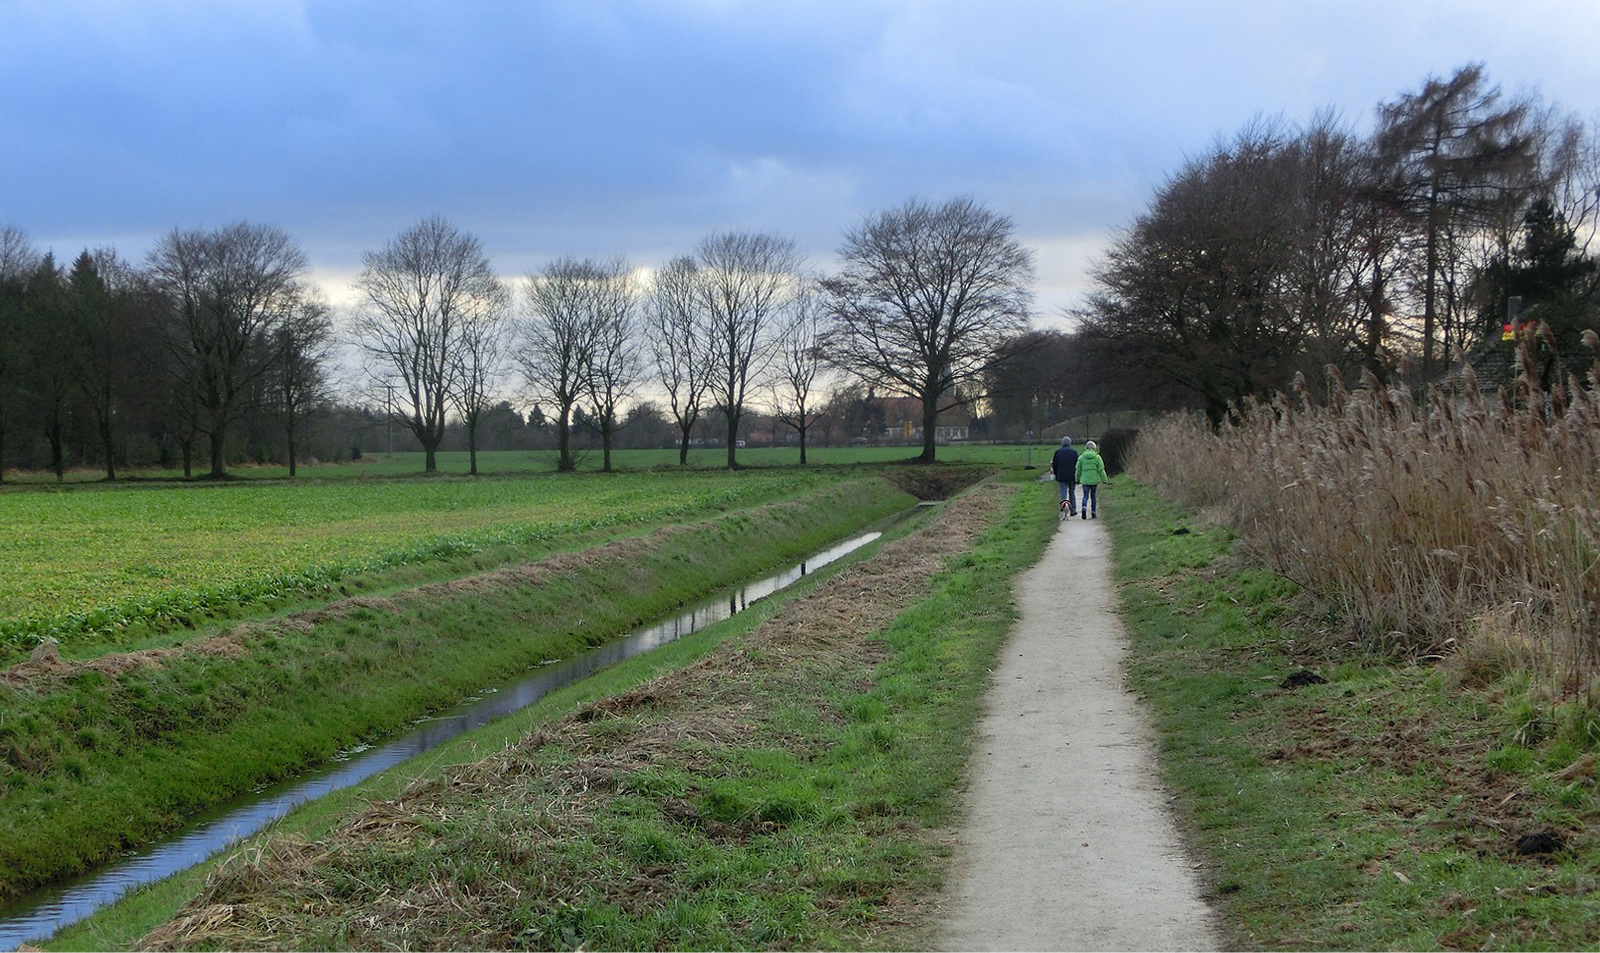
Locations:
(1068, 844)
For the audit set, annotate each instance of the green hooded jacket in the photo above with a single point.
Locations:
(1091, 470)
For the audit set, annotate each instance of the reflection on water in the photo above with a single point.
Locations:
(35, 916)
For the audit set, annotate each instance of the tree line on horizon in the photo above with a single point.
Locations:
(1462, 223)
(1285, 250)
(218, 337)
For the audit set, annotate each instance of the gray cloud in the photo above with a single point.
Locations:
(590, 127)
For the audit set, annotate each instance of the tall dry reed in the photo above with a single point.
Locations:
(1428, 526)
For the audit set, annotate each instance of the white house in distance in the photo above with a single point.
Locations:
(902, 421)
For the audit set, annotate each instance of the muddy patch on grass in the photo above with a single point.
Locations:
(504, 851)
(933, 483)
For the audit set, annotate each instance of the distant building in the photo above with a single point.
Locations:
(902, 420)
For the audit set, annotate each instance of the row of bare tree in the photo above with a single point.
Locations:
(1295, 249)
(925, 297)
(221, 329)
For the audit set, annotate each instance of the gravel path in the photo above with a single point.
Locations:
(1068, 843)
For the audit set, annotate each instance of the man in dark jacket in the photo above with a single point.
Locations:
(1065, 465)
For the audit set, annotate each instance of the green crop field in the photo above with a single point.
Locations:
(93, 561)
(98, 562)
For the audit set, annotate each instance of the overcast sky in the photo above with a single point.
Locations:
(634, 128)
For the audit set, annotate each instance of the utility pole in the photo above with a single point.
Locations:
(388, 416)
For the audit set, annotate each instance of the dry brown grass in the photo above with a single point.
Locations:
(545, 790)
(1449, 525)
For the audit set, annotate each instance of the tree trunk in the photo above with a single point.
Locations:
(564, 439)
(930, 419)
(1216, 411)
(733, 441)
(58, 457)
(289, 433)
(472, 447)
(219, 466)
(683, 446)
(1429, 286)
(1374, 342)
(107, 439)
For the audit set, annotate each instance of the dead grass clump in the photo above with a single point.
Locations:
(1502, 641)
(49, 669)
(503, 827)
(252, 881)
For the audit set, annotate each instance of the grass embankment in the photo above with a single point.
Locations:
(780, 792)
(1388, 808)
(103, 754)
(129, 564)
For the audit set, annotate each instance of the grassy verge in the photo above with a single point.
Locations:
(1393, 806)
(779, 792)
(107, 754)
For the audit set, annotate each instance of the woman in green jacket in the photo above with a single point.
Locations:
(1091, 473)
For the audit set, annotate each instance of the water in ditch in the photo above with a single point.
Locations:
(35, 916)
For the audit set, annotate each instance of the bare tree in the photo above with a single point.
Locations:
(744, 283)
(1329, 165)
(305, 349)
(557, 339)
(680, 346)
(17, 254)
(798, 366)
(422, 291)
(227, 291)
(614, 359)
(1577, 191)
(1030, 388)
(925, 300)
(485, 343)
(1199, 291)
